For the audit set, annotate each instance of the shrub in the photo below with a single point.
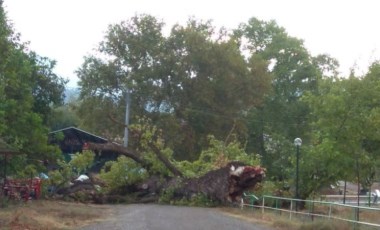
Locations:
(81, 162)
(122, 172)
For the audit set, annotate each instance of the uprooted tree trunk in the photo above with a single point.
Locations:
(226, 184)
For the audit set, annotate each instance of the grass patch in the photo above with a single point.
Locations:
(51, 215)
(282, 222)
(268, 219)
(326, 225)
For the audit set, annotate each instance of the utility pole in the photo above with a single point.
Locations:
(127, 105)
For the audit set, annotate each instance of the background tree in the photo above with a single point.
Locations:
(192, 83)
(346, 115)
(65, 115)
(283, 116)
(132, 51)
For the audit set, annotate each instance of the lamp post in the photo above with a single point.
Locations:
(127, 108)
(297, 143)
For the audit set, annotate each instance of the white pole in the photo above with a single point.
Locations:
(127, 105)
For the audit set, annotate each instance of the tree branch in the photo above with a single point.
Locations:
(113, 119)
(165, 161)
(121, 151)
(112, 147)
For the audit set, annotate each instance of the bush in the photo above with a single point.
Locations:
(122, 172)
(81, 162)
(67, 171)
(61, 177)
(167, 196)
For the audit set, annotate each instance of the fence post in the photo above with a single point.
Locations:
(291, 209)
(263, 206)
(277, 205)
(369, 198)
(330, 206)
(252, 199)
(310, 204)
(312, 210)
(355, 212)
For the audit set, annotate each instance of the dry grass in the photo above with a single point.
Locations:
(270, 220)
(282, 222)
(50, 215)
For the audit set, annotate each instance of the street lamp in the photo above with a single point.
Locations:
(297, 143)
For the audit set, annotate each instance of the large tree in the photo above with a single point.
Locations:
(283, 116)
(28, 91)
(345, 114)
(191, 83)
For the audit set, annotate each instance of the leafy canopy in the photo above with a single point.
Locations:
(191, 83)
(29, 90)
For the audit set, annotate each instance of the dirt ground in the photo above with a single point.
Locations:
(46, 215)
(43, 214)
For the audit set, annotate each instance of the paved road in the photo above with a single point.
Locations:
(160, 217)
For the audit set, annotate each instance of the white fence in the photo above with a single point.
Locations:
(366, 200)
(357, 215)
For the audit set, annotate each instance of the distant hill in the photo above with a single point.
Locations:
(71, 93)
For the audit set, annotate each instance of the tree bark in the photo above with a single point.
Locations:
(226, 184)
(112, 147)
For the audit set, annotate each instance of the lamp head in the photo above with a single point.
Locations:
(298, 141)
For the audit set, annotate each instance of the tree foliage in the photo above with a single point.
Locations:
(346, 115)
(283, 116)
(81, 162)
(28, 91)
(257, 84)
(122, 172)
(217, 155)
(67, 171)
(191, 83)
(62, 176)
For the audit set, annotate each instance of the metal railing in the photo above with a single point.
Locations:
(351, 199)
(296, 208)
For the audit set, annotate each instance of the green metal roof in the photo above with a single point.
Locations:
(74, 139)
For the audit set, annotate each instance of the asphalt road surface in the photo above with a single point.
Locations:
(160, 217)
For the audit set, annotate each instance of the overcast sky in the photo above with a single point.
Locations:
(67, 30)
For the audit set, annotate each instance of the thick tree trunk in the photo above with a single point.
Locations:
(226, 184)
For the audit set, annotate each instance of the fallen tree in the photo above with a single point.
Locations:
(225, 184)
(149, 172)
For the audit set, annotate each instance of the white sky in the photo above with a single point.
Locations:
(68, 30)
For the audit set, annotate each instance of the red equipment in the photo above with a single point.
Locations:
(24, 189)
